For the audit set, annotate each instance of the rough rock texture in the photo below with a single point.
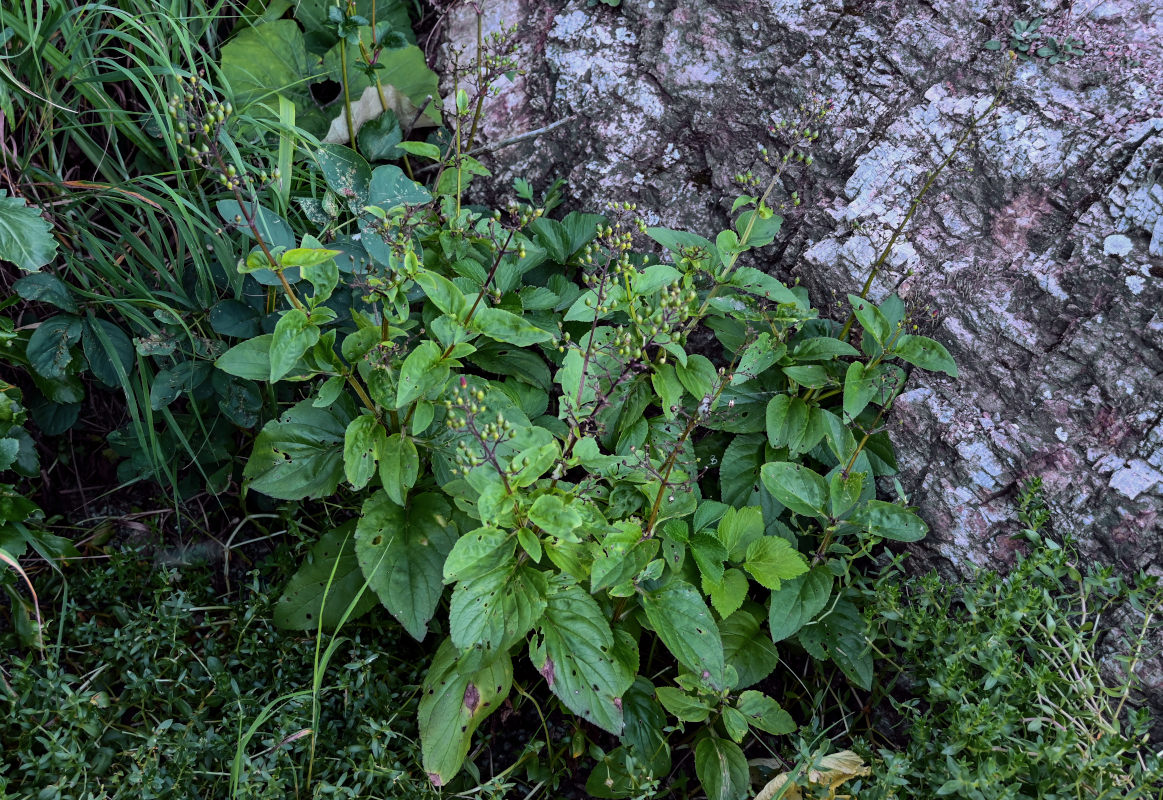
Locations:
(1037, 258)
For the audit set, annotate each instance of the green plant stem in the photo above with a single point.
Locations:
(915, 203)
(480, 87)
(721, 278)
(347, 94)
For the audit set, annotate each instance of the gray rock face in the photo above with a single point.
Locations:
(1037, 257)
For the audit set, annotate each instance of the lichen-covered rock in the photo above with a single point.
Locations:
(1037, 257)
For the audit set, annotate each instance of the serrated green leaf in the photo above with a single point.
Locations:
(504, 326)
(477, 553)
(746, 647)
(25, 237)
(682, 621)
(699, 376)
(890, 521)
(498, 608)
(551, 514)
(709, 555)
(402, 552)
(266, 60)
(797, 601)
(739, 470)
(364, 439)
(757, 358)
(735, 724)
(43, 287)
(738, 528)
(772, 559)
(822, 348)
(422, 371)
(573, 654)
(760, 284)
(294, 335)
(442, 292)
(683, 705)
(399, 466)
(250, 359)
(765, 714)
(728, 593)
(300, 455)
(391, 188)
(925, 353)
(871, 319)
(453, 704)
(108, 351)
(722, 769)
(796, 486)
(332, 572)
(49, 349)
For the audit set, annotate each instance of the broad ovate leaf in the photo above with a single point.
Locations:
(402, 552)
(321, 591)
(25, 237)
(453, 704)
(300, 455)
(573, 653)
(682, 620)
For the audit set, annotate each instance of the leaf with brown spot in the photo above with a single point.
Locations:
(453, 705)
(575, 654)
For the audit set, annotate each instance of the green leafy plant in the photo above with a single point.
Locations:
(520, 410)
(1025, 42)
(1016, 685)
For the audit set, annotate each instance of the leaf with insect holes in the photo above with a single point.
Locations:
(402, 551)
(364, 439)
(453, 704)
(682, 621)
(498, 608)
(300, 455)
(573, 653)
(320, 592)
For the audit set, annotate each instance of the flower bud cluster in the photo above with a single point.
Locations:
(467, 412)
(199, 117)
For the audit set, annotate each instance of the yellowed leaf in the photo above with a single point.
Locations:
(831, 771)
